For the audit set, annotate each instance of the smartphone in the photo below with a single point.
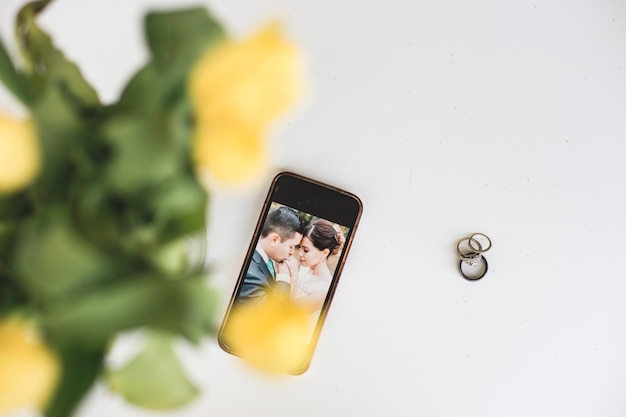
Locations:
(296, 255)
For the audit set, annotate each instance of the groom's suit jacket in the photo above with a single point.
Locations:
(259, 284)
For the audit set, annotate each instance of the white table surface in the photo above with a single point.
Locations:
(446, 118)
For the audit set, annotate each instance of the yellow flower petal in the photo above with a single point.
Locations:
(232, 154)
(270, 335)
(29, 369)
(250, 82)
(237, 90)
(20, 160)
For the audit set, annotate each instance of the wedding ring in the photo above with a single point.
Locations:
(481, 242)
(473, 271)
(463, 247)
(472, 263)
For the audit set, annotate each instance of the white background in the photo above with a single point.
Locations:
(446, 118)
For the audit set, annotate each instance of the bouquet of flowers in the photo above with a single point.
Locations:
(99, 202)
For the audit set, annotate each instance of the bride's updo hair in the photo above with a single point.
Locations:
(324, 235)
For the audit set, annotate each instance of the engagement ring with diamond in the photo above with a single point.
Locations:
(472, 264)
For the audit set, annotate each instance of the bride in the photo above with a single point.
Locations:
(320, 240)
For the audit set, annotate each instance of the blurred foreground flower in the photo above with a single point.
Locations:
(29, 370)
(238, 90)
(19, 154)
(272, 335)
(101, 205)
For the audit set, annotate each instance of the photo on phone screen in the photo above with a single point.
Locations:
(294, 260)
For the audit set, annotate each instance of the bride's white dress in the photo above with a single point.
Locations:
(309, 283)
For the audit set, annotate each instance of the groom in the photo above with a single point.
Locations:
(268, 275)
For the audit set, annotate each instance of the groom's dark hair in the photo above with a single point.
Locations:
(284, 221)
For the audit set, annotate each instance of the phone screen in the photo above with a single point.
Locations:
(297, 254)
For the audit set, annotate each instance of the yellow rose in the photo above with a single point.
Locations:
(29, 370)
(269, 335)
(250, 82)
(233, 154)
(238, 89)
(20, 160)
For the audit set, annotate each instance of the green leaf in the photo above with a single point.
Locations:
(170, 259)
(184, 306)
(13, 80)
(141, 155)
(60, 132)
(144, 92)
(53, 259)
(142, 221)
(80, 369)
(181, 204)
(45, 64)
(122, 224)
(12, 295)
(176, 40)
(13, 209)
(154, 379)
